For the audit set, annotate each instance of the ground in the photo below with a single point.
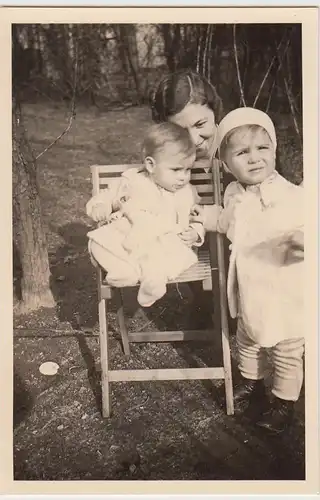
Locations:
(159, 430)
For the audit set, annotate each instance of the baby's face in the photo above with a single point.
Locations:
(172, 172)
(250, 156)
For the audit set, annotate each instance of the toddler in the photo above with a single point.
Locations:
(149, 237)
(263, 218)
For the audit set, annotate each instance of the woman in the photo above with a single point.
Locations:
(188, 99)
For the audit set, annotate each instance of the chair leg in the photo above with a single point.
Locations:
(227, 372)
(224, 325)
(104, 358)
(122, 323)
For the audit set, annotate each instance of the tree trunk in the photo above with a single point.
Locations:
(129, 40)
(168, 46)
(31, 239)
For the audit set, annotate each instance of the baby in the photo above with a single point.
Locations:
(149, 237)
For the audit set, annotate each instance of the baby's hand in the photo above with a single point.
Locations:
(197, 214)
(189, 236)
(119, 204)
(100, 212)
(114, 216)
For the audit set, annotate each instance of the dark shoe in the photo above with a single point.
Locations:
(250, 398)
(278, 418)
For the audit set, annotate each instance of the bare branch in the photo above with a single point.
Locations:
(278, 69)
(73, 104)
(199, 50)
(268, 71)
(290, 100)
(209, 59)
(270, 93)
(292, 107)
(289, 71)
(235, 49)
(204, 57)
(263, 81)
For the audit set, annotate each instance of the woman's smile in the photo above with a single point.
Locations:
(200, 122)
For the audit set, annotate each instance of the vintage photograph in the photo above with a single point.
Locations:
(158, 252)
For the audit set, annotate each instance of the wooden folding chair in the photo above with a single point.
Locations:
(210, 270)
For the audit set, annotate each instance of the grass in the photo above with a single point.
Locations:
(163, 430)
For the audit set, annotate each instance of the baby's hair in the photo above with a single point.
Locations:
(183, 87)
(243, 129)
(159, 136)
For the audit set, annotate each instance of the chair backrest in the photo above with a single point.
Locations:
(209, 186)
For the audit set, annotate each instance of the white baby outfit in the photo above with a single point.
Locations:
(144, 245)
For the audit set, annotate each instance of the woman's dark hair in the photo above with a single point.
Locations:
(183, 87)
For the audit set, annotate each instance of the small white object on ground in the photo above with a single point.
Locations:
(49, 368)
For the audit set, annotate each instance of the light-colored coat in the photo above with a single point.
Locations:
(266, 293)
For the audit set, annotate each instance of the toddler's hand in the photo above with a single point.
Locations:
(189, 236)
(295, 248)
(100, 212)
(197, 214)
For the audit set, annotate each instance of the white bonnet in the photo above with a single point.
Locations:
(244, 116)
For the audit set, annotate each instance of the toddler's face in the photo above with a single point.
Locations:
(172, 171)
(250, 156)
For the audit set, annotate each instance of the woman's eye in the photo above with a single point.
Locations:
(263, 147)
(200, 124)
(240, 153)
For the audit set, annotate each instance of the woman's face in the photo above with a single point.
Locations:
(200, 122)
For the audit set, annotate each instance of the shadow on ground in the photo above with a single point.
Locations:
(22, 402)
(185, 307)
(73, 280)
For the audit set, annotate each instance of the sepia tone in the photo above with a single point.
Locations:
(81, 96)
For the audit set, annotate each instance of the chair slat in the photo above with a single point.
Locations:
(106, 169)
(206, 200)
(202, 176)
(200, 271)
(204, 188)
(103, 174)
(200, 373)
(104, 181)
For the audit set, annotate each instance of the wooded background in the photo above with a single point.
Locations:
(254, 63)
(118, 65)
